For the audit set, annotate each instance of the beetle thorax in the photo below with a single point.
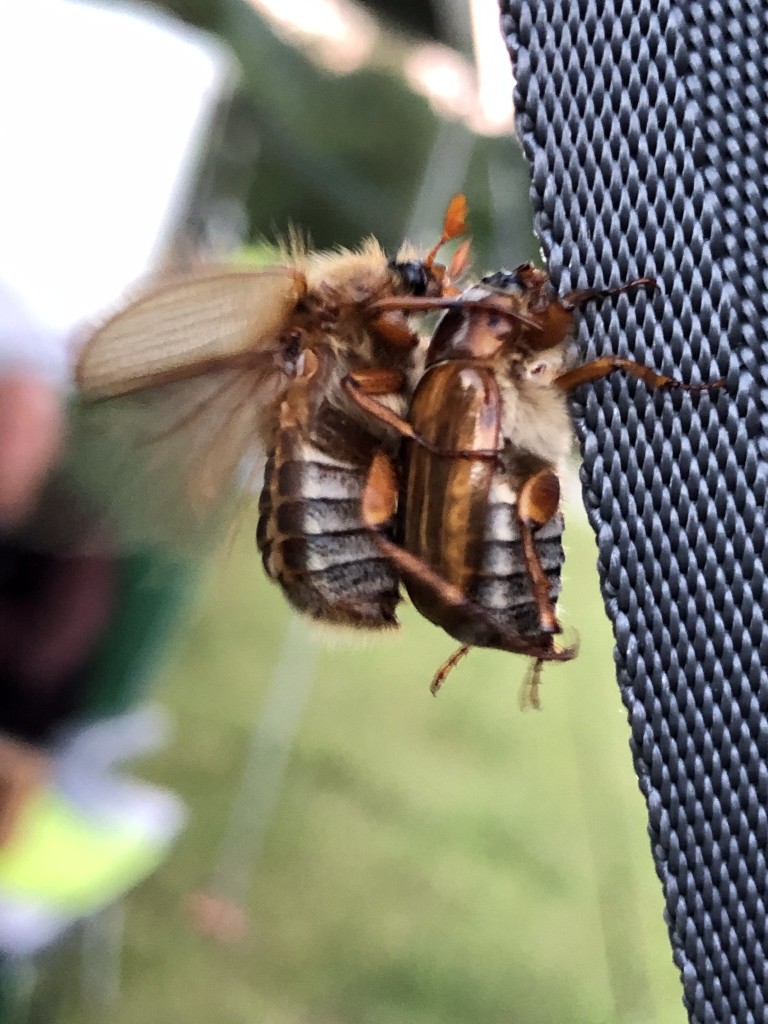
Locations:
(536, 419)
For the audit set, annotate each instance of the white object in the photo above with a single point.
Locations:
(104, 112)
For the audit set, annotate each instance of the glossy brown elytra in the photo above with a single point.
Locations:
(479, 545)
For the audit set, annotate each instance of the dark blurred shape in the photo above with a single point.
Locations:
(417, 16)
(82, 622)
(53, 611)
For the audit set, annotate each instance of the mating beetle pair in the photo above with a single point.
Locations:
(389, 460)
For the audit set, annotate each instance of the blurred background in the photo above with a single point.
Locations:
(355, 850)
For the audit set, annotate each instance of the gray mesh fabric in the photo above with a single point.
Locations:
(646, 130)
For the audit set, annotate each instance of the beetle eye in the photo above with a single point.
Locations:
(505, 281)
(413, 275)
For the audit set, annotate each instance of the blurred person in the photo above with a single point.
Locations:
(105, 113)
(52, 609)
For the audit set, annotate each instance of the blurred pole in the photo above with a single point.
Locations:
(455, 20)
(271, 741)
(101, 945)
(512, 220)
(444, 175)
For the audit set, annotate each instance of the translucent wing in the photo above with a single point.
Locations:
(178, 393)
(170, 465)
(206, 321)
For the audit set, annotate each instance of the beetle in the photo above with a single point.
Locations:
(479, 543)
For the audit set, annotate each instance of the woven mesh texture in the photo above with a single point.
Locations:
(646, 131)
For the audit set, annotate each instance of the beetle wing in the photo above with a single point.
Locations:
(457, 407)
(171, 465)
(206, 321)
(179, 393)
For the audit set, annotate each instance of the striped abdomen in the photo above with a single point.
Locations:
(500, 583)
(461, 519)
(310, 532)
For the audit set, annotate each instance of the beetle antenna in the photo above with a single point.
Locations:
(454, 225)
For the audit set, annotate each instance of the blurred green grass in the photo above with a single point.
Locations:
(436, 861)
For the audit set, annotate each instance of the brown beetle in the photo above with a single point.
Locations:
(198, 373)
(480, 534)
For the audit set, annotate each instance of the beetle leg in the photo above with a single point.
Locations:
(537, 502)
(392, 328)
(578, 298)
(374, 381)
(380, 494)
(529, 688)
(600, 368)
(425, 304)
(447, 667)
(295, 406)
(361, 387)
